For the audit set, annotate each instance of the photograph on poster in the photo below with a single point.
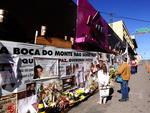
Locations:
(79, 74)
(75, 68)
(13, 76)
(30, 89)
(45, 68)
(15, 71)
(68, 68)
(48, 92)
(38, 72)
(68, 83)
(10, 78)
(7, 74)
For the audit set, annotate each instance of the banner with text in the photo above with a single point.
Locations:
(19, 60)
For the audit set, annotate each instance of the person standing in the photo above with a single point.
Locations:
(133, 66)
(125, 73)
(77, 75)
(103, 80)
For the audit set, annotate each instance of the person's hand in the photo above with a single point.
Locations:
(116, 73)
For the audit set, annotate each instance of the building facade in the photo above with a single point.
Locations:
(24, 17)
(121, 30)
(92, 32)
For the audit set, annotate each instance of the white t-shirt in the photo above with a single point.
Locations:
(103, 79)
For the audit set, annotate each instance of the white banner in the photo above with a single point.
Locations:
(16, 69)
(18, 61)
(14, 48)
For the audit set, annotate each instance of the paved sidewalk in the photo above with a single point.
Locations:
(139, 98)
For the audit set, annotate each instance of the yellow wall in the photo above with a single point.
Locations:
(121, 30)
(118, 28)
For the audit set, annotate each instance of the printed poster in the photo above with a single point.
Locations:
(8, 104)
(45, 68)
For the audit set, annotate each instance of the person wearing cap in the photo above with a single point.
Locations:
(124, 71)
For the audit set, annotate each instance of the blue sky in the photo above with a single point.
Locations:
(129, 8)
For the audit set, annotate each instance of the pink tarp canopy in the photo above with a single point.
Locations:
(90, 26)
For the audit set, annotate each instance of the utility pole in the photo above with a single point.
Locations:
(111, 20)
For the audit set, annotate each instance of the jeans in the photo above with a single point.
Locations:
(124, 89)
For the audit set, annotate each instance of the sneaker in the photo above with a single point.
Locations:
(122, 100)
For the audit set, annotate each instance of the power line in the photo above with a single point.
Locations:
(125, 17)
(113, 15)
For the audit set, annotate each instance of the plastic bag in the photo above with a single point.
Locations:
(119, 79)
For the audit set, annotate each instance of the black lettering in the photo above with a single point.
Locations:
(30, 61)
(89, 54)
(4, 50)
(57, 53)
(62, 53)
(50, 52)
(16, 51)
(77, 54)
(44, 52)
(25, 61)
(30, 70)
(26, 70)
(24, 51)
(37, 52)
(31, 51)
